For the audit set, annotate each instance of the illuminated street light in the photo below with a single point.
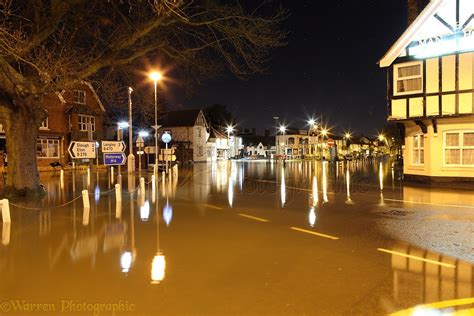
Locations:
(122, 125)
(347, 135)
(311, 122)
(143, 134)
(324, 132)
(156, 76)
(229, 129)
(282, 129)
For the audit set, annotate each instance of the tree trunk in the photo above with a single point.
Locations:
(21, 131)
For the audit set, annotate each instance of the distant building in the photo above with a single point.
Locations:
(431, 91)
(259, 146)
(76, 114)
(295, 143)
(190, 134)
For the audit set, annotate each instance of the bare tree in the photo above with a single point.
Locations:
(48, 45)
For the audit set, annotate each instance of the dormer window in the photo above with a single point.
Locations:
(79, 97)
(408, 78)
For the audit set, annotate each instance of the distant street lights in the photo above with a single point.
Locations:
(156, 76)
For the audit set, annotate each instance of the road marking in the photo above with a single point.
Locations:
(214, 207)
(253, 217)
(447, 265)
(438, 305)
(314, 233)
(428, 203)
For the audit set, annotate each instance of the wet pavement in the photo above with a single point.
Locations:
(245, 238)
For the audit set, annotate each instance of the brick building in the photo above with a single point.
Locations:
(71, 115)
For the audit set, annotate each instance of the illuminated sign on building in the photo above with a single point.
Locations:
(462, 41)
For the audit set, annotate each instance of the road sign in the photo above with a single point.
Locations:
(82, 150)
(149, 149)
(168, 157)
(167, 151)
(140, 142)
(166, 137)
(330, 142)
(113, 146)
(114, 159)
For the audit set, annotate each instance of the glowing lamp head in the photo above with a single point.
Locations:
(282, 129)
(155, 76)
(381, 137)
(324, 131)
(229, 129)
(311, 122)
(347, 135)
(143, 134)
(123, 124)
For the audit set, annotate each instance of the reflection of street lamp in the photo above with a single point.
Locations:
(156, 76)
(158, 264)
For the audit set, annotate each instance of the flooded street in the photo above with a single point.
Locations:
(247, 238)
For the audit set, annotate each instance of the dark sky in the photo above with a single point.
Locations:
(329, 67)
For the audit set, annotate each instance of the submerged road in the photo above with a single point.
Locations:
(232, 239)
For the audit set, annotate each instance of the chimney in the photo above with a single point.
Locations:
(414, 9)
(254, 131)
(267, 132)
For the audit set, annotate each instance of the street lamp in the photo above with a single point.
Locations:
(282, 130)
(120, 126)
(229, 129)
(131, 157)
(347, 137)
(140, 144)
(156, 76)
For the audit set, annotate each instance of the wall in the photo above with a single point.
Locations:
(433, 147)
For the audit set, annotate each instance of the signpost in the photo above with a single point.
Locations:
(113, 146)
(82, 150)
(166, 138)
(114, 159)
(330, 142)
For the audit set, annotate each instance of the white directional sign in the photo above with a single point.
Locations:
(113, 146)
(82, 150)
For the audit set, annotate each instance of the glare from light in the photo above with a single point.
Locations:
(155, 76)
(282, 129)
(381, 137)
(143, 134)
(123, 124)
(126, 261)
(311, 122)
(145, 211)
(324, 132)
(158, 267)
(347, 135)
(229, 129)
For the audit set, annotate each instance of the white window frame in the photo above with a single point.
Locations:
(45, 124)
(79, 96)
(89, 119)
(417, 149)
(396, 78)
(47, 141)
(460, 147)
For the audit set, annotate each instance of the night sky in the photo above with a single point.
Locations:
(329, 67)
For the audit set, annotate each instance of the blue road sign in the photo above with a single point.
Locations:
(114, 159)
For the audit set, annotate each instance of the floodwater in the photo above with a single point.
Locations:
(246, 238)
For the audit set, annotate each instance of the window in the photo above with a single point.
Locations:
(79, 97)
(459, 148)
(418, 154)
(291, 141)
(45, 124)
(47, 148)
(84, 121)
(408, 78)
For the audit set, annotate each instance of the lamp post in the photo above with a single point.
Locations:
(312, 125)
(131, 157)
(229, 129)
(140, 143)
(120, 126)
(156, 76)
(282, 130)
(347, 137)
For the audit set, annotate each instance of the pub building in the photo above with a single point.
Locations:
(430, 93)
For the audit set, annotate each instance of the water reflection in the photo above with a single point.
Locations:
(6, 233)
(325, 182)
(283, 187)
(126, 261)
(158, 267)
(421, 276)
(145, 211)
(167, 213)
